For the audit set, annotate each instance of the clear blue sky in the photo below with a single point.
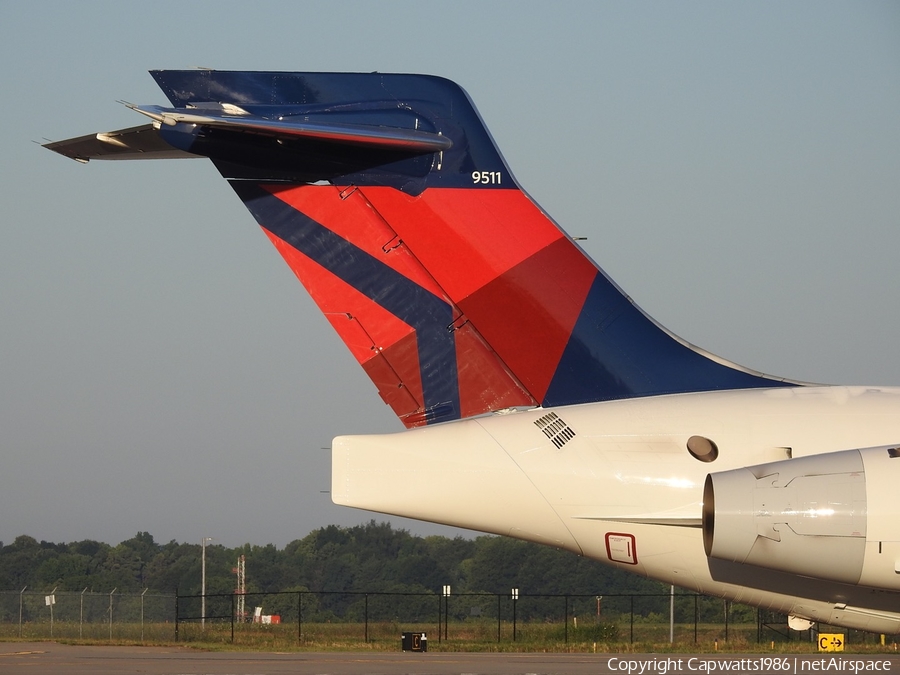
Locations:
(735, 167)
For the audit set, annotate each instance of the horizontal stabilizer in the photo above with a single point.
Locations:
(141, 142)
(146, 142)
(409, 140)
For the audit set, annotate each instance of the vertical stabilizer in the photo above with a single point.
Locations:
(390, 202)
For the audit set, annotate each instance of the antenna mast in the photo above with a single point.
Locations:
(240, 612)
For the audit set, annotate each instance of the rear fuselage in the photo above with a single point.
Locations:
(615, 481)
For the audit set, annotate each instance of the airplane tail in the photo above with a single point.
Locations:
(389, 200)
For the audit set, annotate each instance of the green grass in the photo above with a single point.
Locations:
(469, 636)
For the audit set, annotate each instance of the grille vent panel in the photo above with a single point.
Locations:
(555, 428)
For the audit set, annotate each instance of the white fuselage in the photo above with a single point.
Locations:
(614, 481)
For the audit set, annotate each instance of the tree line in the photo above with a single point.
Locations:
(373, 557)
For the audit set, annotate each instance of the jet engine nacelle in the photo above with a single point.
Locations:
(823, 516)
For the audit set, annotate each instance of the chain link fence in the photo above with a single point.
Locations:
(552, 621)
(88, 615)
(333, 618)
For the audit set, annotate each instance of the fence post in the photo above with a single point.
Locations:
(299, 617)
(81, 615)
(111, 611)
(367, 619)
(232, 618)
(50, 603)
(142, 614)
(726, 621)
(696, 616)
(176, 614)
(21, 593)
(498, 618)
(566, 620)
(631, 638)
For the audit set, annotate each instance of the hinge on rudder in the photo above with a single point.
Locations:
(457, 323)
(393, 243)
(347, 191)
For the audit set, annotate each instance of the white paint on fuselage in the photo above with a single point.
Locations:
(626, 465)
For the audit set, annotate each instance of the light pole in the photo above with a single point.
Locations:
(203, 543)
